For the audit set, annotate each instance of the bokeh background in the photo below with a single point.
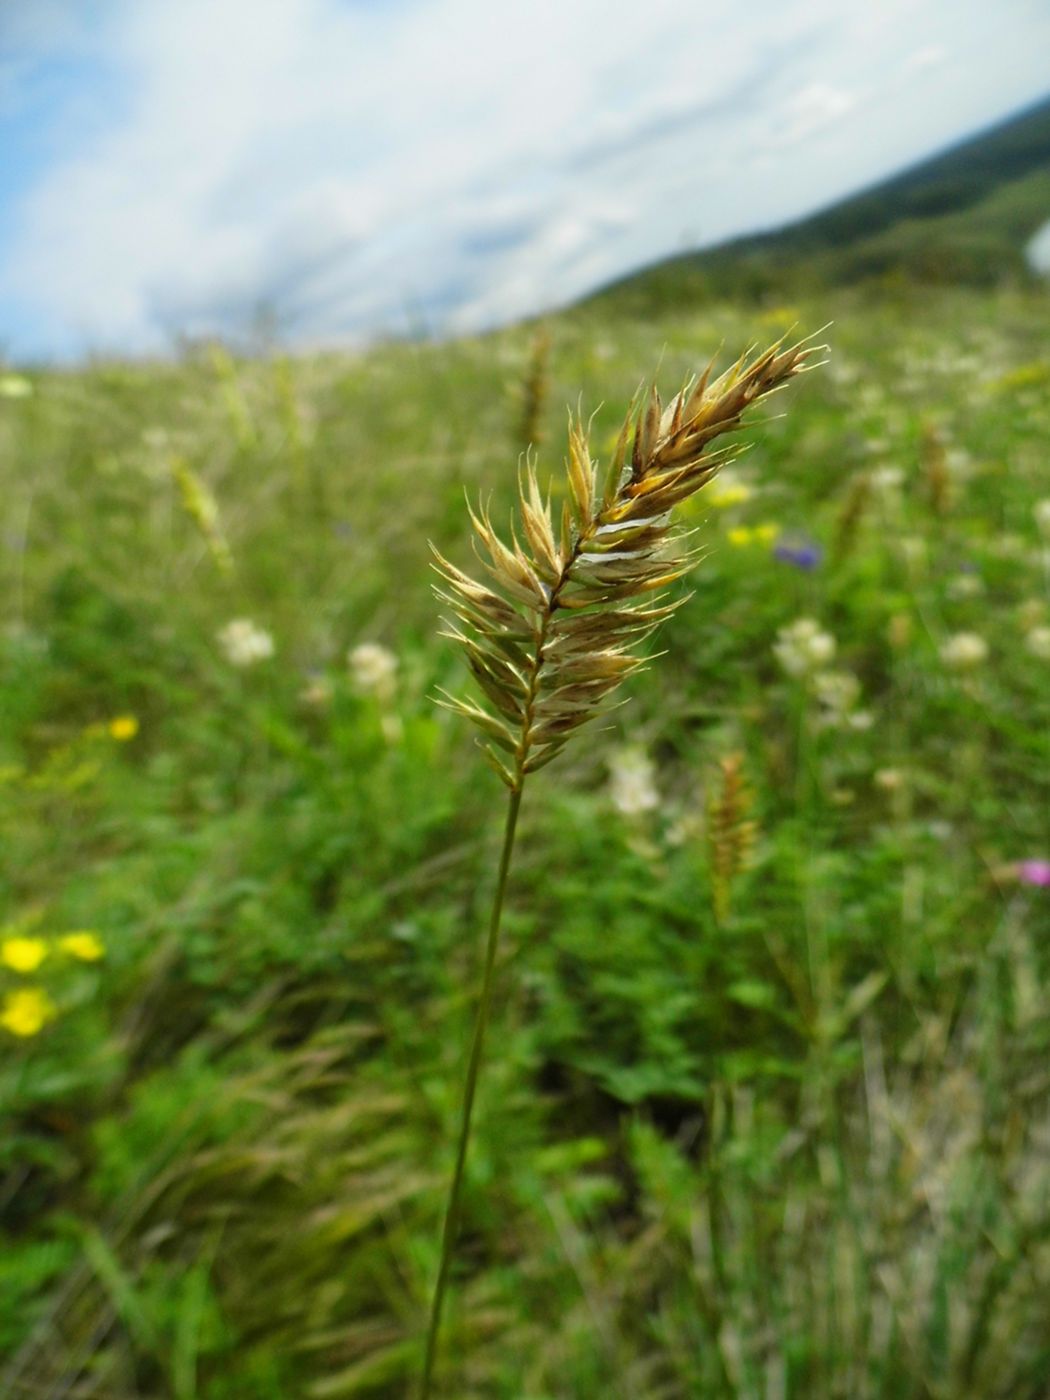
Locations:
(765, 1109)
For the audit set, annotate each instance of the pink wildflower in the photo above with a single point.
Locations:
(1034, 872)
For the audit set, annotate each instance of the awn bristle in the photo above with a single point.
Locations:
(551, 637)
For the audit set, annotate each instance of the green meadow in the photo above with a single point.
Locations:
(765, 1109)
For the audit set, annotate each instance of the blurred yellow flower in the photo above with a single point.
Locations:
(733, 493)
(779, 316)
(742, 535)
(15, 386)
(27, 1011)
(23, 954)
(123, 728)
(82, 944)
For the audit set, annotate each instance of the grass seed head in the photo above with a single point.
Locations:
(554, 629)
(730, 832)
(534, 389)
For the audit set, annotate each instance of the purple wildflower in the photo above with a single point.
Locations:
(1034, 872)
(799, 550)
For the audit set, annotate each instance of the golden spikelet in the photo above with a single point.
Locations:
(552, 631)
(730, 833)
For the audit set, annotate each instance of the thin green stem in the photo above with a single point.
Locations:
(448, 1239)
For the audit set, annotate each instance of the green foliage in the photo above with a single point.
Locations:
(796, 1149)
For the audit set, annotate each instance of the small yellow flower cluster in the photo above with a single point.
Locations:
(15, 386)
(779, 316)
(26, 1010)
(82, 944)
(123, 728)
(23, 954)
(742, 536)
(723, 494)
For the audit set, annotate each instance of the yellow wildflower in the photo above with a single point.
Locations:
(82, 944)
(767, 532)
(15, 386)
(740, 535)
(730, 494)
(123, 728)
(27, 1011)
(779, 316)
(23, 954)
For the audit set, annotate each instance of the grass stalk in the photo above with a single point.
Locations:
(477, 1045)
(557, 625)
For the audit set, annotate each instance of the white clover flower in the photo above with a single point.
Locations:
(374, 669)
(965, 586)
(889, 779)
(963, 650)
(838, 690)
(887, 479)
(838, 693)
(1030, 613)
(1041, 511)
(244, 644)
(632, 782)
(803, 647)
(1038, 642)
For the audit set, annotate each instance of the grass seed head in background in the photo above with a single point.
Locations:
(534, 389)
(555, 630)
(935, 467)
(730, 832)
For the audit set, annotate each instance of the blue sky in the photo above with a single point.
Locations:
(365, 167)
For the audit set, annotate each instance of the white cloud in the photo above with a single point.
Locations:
(810, 110)
(930, 56)
(344, 162)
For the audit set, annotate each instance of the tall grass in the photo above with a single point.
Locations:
(563, 627)
(791, 1146)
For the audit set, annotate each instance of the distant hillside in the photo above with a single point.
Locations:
(961, 217)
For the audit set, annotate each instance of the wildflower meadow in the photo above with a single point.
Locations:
(765, 1102)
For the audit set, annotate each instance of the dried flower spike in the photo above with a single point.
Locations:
(553, 631)
(730, 832)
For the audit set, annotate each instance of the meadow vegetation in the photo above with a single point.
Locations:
(765, 1111)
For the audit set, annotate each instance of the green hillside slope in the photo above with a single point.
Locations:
(962, 217)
